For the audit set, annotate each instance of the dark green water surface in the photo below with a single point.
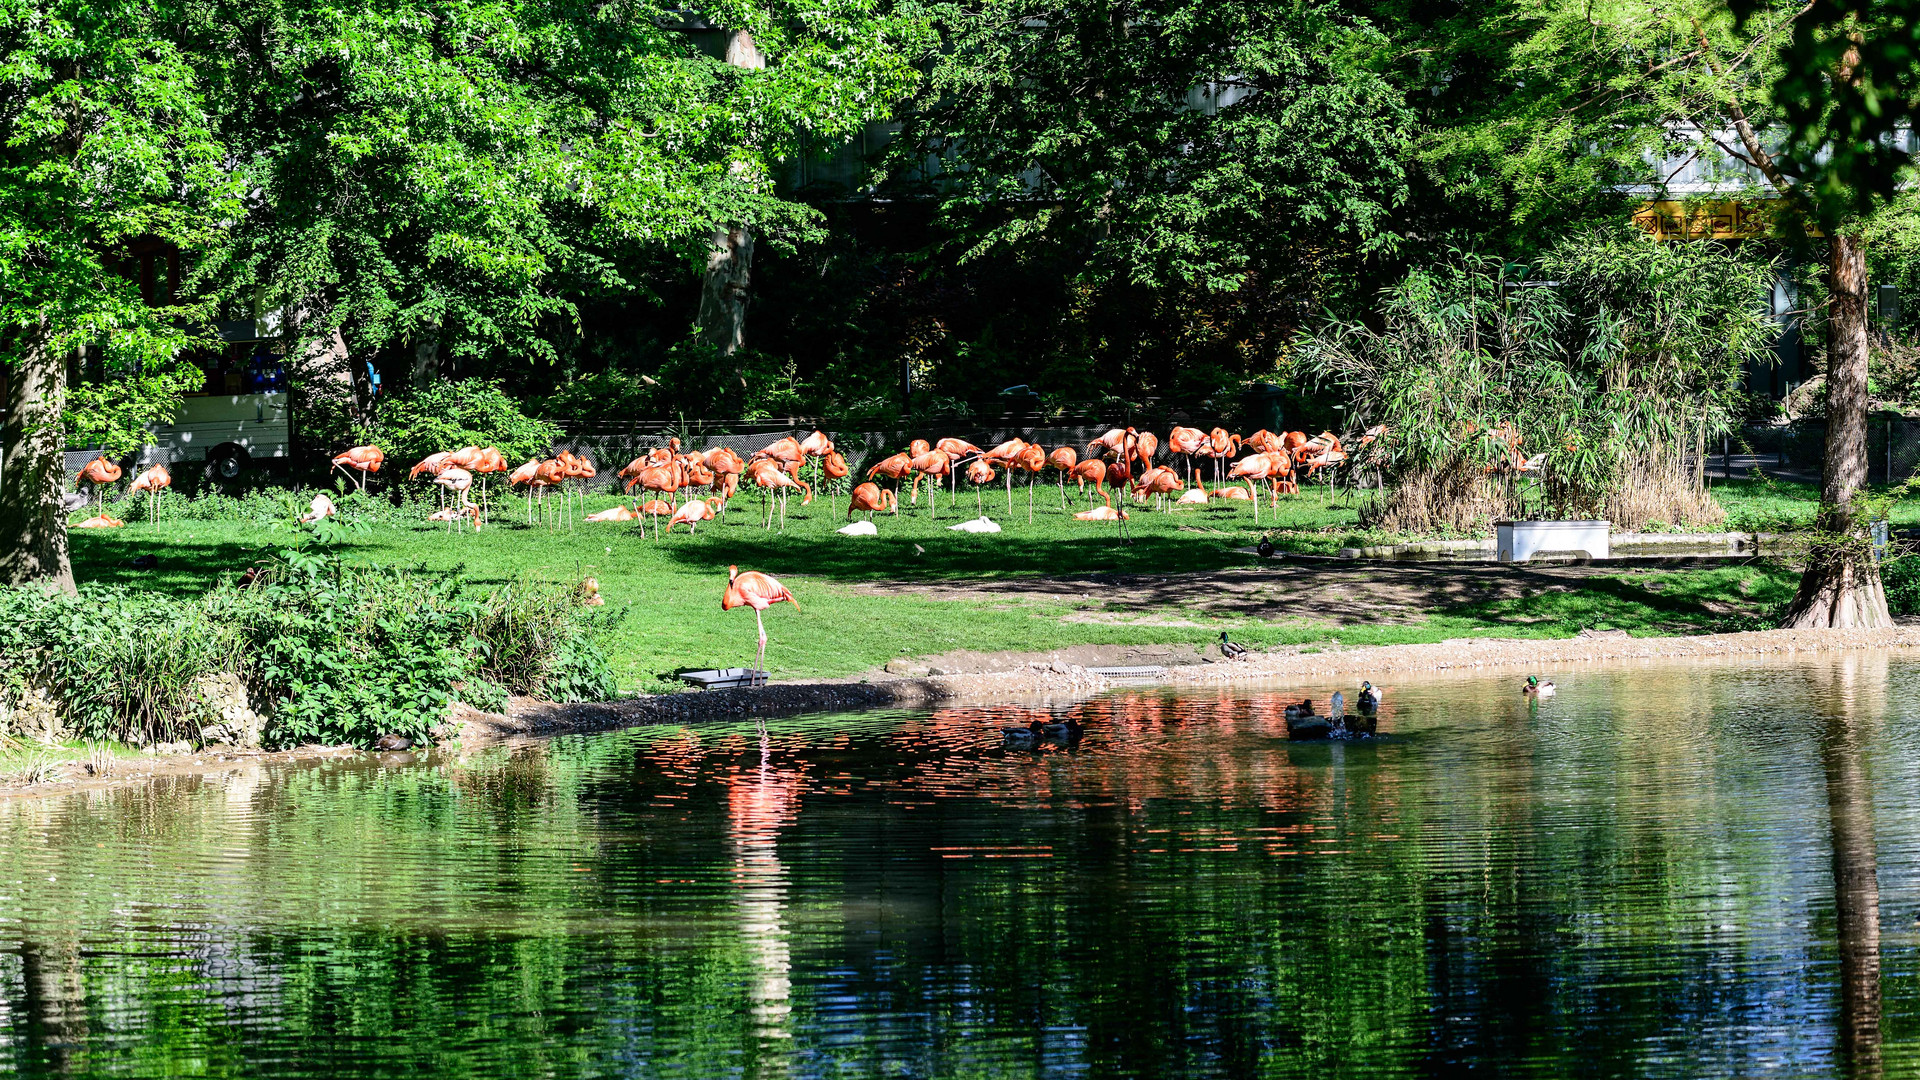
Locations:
(1670, 871)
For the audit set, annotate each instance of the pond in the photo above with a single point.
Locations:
(1663, 871)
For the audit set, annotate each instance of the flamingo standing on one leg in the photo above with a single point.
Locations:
(1188, 441)
(833, 467)
(98, 473)
(367, 459)
(960, 450)
(758, 591)
(1004, 456)
(768, 475)
(980, 471)
(896, 468)
(1063, 458)
(694, 512)
(153, 481)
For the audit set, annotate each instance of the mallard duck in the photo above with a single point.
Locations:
(1303, 708)
(1537, 688)
(1230, 649)
(1265, 547)
(1369, 700)
(1023, 737)
(1068, 732)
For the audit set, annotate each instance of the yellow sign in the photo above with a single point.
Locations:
(1719, 219)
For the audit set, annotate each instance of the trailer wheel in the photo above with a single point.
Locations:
(228, 462)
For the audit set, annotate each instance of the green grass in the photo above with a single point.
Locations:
(666, 593)
(1759, 503)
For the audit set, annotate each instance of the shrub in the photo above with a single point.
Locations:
(450, 415)
(330, 653)
(1901, 576)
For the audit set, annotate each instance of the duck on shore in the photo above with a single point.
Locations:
(1232, 650)
(1536, 688)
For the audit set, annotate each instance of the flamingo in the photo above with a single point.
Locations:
(98, 473)
(1004, 456)
(457, 481)
(1113, 442)
(1193, 496)
(693, 513)
(366, 459)
(1188, 441)
(1100, 513)
(981, 472)
(666, 479)
(491, 461)
(834, 467)
(1063, 458)
(1255, 467)
(894, 468)
(1032, 460)
(1093, 469)
(932, 464)
(100, 521)
(1221, 444)
(768, 475)
(1157, 482)
(1145, 445)
(872, 498)
(613, 513)
(550, 474)
(727, 467)
(152, 481)
(322, 508)
(758, 591)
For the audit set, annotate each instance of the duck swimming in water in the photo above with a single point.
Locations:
(1537, 688)
(1230, 649)
(1025, 738)
(1068, 733)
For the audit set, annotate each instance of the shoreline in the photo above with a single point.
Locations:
(1041, 675)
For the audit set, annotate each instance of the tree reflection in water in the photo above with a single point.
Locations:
(1856, 880)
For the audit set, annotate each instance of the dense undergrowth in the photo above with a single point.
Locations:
(313, 650)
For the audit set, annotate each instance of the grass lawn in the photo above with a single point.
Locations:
(664, 595)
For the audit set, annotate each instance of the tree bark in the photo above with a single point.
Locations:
(1841, 587)
(426, 353)
(33, 531)
(723, 300)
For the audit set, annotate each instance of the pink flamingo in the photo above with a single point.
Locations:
(758, 591)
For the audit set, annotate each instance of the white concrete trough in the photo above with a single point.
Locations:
(1520, 541)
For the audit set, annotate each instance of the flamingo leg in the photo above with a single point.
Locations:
(1255, 497)
(760, 654)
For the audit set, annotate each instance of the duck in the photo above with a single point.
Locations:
(1303, 707)
(1068, 732)
(1302, 724)
(1266, 546)
(1537, 688)
(1023, 737)
(1369, 700)
(1232, 650)
(393, 742)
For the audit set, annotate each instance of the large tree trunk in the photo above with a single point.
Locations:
(33, 531)
(1842, 587)
(723, 300)
(426, 353)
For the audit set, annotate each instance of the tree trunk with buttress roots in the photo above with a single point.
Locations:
(723, 297)
(33, 531)
(1841, 588)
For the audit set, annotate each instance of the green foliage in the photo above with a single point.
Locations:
(450, 415)
(460, 179)
(333, 654)
(1617, 373)
(1188, 142)
(1901, 577)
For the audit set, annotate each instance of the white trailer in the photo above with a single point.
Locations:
(230, 433)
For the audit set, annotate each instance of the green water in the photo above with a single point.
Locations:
(1660, 872)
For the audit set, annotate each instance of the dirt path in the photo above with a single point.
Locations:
(1337, 591)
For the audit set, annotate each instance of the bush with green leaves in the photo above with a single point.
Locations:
(329, 653)
(1618, 359)
(453, 414)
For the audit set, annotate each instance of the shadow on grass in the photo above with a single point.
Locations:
(181, 567)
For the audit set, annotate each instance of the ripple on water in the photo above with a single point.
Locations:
(1637, 876)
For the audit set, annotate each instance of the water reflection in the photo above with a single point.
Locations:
(1628, 879)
